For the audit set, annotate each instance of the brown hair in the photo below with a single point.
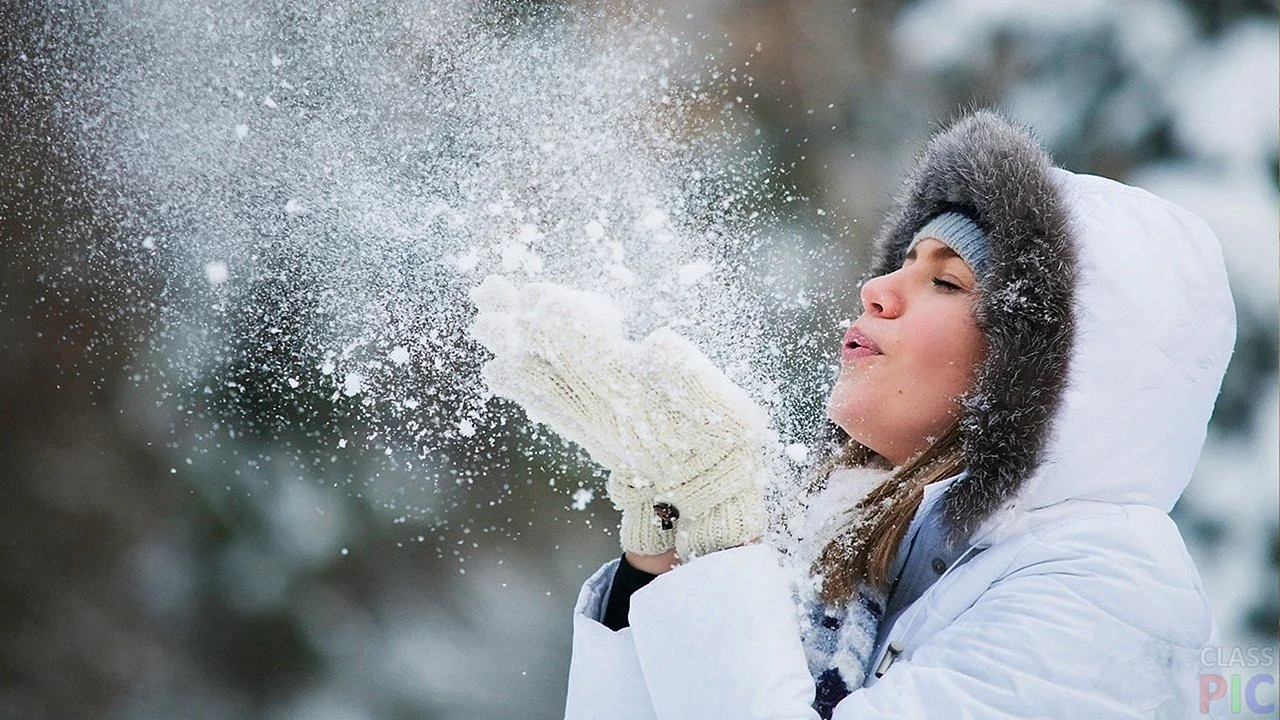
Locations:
(862, 553)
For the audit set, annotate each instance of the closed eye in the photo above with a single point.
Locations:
(946, 286)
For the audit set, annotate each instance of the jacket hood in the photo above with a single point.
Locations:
(1108, 320)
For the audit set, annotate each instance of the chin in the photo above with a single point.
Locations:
(844, 408)
(836, 416)
(855, 424)
(840, 415)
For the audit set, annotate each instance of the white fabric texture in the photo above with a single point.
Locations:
(669, 426)
(604, 665)
(1082, 602)
(687, 621)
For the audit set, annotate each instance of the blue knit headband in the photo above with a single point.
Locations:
(960, 233)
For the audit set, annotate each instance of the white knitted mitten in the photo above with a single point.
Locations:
(683, 444)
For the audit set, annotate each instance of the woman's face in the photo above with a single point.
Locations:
(911, 355)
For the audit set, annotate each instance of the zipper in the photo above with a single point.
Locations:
(890, 654)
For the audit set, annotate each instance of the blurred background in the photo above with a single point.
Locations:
(184, 535)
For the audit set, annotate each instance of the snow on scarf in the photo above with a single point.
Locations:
(838, 642)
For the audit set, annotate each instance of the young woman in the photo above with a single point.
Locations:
(1025, 396)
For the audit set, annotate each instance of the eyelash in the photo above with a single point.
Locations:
(939, 282)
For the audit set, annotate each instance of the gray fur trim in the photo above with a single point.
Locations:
(999, 175)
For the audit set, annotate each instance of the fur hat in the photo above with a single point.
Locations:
(997, 175)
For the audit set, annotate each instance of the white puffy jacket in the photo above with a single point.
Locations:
(1079, 601)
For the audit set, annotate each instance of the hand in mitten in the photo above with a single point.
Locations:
(561, 355)
(683, 444)
(708, 465)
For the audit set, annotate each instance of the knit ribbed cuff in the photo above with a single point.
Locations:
(736, 521)
(641, 532)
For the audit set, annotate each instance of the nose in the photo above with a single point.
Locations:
(880, 296)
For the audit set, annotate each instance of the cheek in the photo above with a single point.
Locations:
(953, 358)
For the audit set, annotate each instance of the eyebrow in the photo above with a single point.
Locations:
(941, 252)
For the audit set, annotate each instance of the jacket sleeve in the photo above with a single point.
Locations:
(605, 682)
(719, 638)
(1075, 629)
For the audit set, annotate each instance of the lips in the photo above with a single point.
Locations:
(857, 345)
